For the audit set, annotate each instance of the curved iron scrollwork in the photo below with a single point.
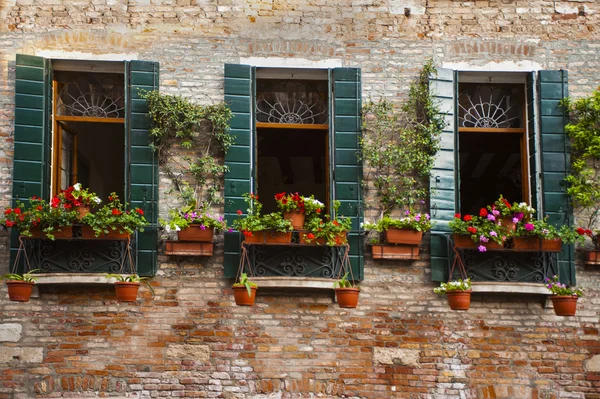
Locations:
(296, 261)
(103, 99)
(291, 102)
(488, 107)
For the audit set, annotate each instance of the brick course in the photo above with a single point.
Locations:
(296, 344)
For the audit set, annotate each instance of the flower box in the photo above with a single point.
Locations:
(340, 239)
(188, 248)
(407, 252)
(464, 242)
(195, 233)
(394, 235)
(269, 237)
(591, 257)
(536, 244)
(65, 232)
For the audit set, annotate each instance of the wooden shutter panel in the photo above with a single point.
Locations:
(32, 141)
(533, 138)
(142, 177)
(347, 106)
(444, 181)
(555, 161)
(238, 95)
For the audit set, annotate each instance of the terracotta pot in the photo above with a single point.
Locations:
(459, 300)
(408, 252)
(269, 237)
(461, 241)
(507, 223)
(126, 291)
(554, 245)
(65, 232)
(116, 235)
(297, 219)
(591, 257)
(536, 244)
(188, 248)
(564, 305)
(347, 297)
(402, 236)
(195, 233)
(240, 294)
(19, 291)
(82, 211)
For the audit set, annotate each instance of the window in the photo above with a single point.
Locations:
(320, 156)
(523, 151)
(57, 105)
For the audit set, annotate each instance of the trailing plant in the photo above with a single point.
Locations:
(410, 220)
(25, 277)
(399, 145)
(558, 288)
(114, 216)
(256, 221)
(204, 130)
(245, 282)
(584, 133)
(179, 220)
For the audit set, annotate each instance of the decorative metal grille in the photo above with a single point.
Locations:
(291, 102)
(530, 267)
(489, 107)
(101, 98)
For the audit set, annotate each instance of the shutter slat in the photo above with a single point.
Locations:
(555, 162)
(142, 181)
(443, 180)
(238, 96)
(347, 103)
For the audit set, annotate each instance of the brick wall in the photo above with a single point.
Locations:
(190, 340)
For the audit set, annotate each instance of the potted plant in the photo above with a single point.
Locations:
(326, 231)
(244, 291)
(79, 199)
(406, 231)
(537, 235)
(259, 228)
(583, 183)
(458, 293)
(128, 285)
(196, 226)
(564, 298)
(481, 232)
(508, 215)
(346, 293)
(113, 220)
(20, 286)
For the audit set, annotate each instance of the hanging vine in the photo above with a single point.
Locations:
(203, 133)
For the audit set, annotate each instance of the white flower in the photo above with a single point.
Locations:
(77, 186)
(97, 200)
(177, 228)
(362, 224)
(167, 228)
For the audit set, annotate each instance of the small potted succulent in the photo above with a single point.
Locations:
(259, 228)
(346, 293)
(458, 293)
(113, 220)
(244, 291)
(128, 285)
(20, 286)
(564, 298)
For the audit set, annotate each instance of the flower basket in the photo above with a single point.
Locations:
(459, 300)
(296, 217)
(394, 235)
(19, 291)
(461, 241)
(269, 237)
(240, 294)
(347, 297)
(126, 291)
(195, 233)
(564, 305)
(591, 258)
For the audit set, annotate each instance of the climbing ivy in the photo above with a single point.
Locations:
(399, 145)
(202, 130)
(584, 132)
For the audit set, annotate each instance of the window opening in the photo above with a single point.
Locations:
(492, 142)
(292, 136)
(89, 131)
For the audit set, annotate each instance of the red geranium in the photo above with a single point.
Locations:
(468, 218)
(140, 211)
(581, 231)
(472, 230)
(483, 212)
(116, 212)
(457, 216)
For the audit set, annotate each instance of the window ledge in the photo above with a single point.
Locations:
(74, 278)
(510, 288)
(293, 282)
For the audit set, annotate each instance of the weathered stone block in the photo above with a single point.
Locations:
(406, 357)
(25, 355)
(10, 332)
(199, 353)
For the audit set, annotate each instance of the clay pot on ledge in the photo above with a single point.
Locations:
(591, 257)
(347, 297)
(19, 291)
(126, 291)
(564, 305)
(240, 294)
(195, 233)
(394, 235)
(459, 300)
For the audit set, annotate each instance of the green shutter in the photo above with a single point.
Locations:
(238, 95)
(347, 167)
(553, 87)
(142, 177)
(32, 139)
(533, 138)
(443, 180)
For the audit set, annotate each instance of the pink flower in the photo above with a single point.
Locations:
(493, 234)
(484, 239)
(482, 248)
(496, 212)
(515, 220)
(491, 217)
(529, 227)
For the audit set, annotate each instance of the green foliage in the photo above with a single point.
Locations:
(344, 282)
(244, 282)
(114, 216)
(479, 228)
(558, 288)
(399, 146)
(256, 221)
(179, 220)
(201, 129)
(456, 285)
(410, 220)
(584, 132)
(131, 278)
(26, 277)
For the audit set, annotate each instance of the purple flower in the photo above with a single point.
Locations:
(519, 215)
(220, 218)
(529, 227)
(496, 212)
(491, 217)
(427, 216)
(549, 285)
(484, 239)
(407, 213)
(515, 220)
(194, 215)
(418, 217)
(202, 227)
(493, 233)
(230, 230)
(482, 248)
